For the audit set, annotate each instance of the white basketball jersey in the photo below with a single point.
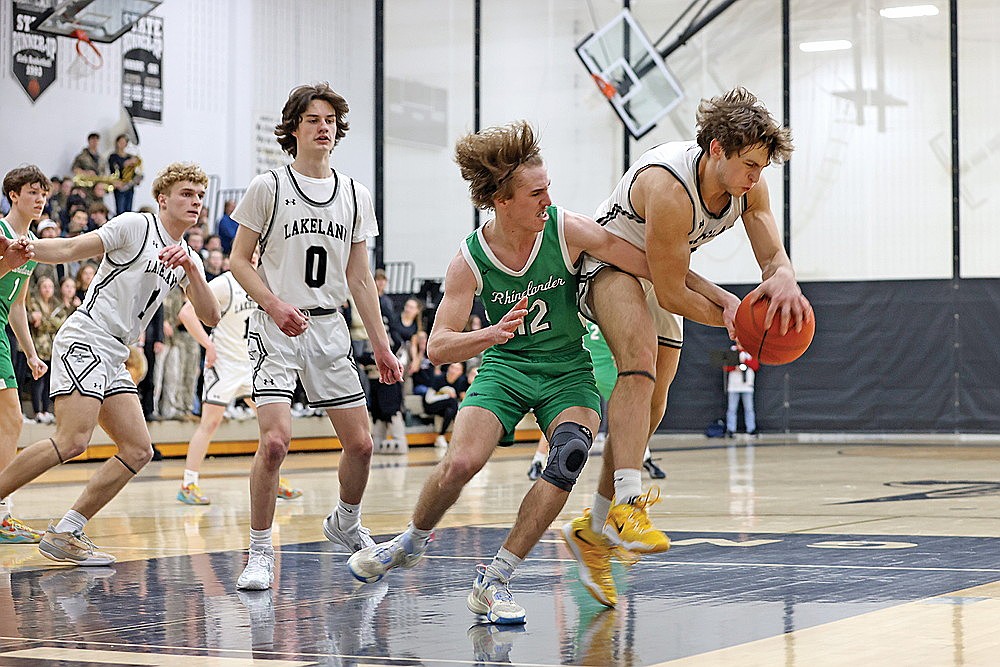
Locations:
(230, 334)
(680, 158)
(131, 281)
(305, 241)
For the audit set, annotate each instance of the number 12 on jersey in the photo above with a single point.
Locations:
(538, 323)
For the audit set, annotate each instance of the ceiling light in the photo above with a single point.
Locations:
(909, 11)
(828, 45)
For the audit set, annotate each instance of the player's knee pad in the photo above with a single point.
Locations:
(568, 450)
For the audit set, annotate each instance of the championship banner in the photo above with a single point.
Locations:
(33, 55)
(142, 69)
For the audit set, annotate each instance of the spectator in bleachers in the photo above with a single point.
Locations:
(88, 162)
(212, 242)
(125, 166)
(79, 221)
(213, 264)
(182, 364)
(407, 326)
(48, 229)
(98, 214)
(196, 240)
(226, 229)
(102, 194)
(84, 276)
(60, 189)
(424, 375)
(46, 313)
(443, 396)
(384, 302)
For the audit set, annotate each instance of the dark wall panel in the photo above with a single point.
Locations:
(888, 356)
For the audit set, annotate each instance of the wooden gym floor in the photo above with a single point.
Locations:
(785, 553)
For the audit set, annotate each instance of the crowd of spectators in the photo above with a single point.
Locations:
(100, 187)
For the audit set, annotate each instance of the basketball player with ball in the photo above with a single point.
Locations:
(676, 197)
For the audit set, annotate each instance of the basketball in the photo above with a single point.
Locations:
(34, 88)
(768, 346)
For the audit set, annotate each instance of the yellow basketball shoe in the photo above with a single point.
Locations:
(592, 552)
(629, 527)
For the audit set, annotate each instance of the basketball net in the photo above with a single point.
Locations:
(88, 56)
(606, 88)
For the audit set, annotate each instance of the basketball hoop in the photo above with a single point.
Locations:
(86, 50)
(605, 87)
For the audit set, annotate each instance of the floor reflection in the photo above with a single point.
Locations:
(705, 594)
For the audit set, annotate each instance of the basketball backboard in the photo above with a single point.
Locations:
(631, 74)
(96, 20)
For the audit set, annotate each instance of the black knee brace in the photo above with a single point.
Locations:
(568, 450)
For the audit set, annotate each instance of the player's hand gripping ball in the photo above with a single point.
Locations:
(768, 346)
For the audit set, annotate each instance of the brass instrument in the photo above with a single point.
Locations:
(90, 180)
(130, 171)
(127, 175)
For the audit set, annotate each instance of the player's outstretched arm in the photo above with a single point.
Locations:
(361, 283)
(448, 342)
(778, 281)
(59, 250)
(585, 235)
(663, 202)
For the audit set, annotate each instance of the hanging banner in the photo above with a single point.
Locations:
(33, 55)
(142, 69)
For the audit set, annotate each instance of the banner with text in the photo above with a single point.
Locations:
(142, 69)
(33, 55)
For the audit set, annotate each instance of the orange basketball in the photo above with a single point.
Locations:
(768, 346)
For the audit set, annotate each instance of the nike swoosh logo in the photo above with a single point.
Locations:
(579, 535)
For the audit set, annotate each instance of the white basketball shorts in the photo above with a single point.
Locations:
(89, 360)
(669, 327)
(320, 358)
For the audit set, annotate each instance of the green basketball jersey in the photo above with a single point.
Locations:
(549, 280)
(12, 282)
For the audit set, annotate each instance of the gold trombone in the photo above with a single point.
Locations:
(127, 175)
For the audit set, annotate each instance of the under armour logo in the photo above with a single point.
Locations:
(267, 381)
(290, 202)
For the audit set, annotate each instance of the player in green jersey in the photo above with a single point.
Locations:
(523, 264)
(27, 188)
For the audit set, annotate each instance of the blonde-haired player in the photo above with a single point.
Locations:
(145, 257)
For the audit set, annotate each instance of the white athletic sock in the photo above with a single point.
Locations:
(415, 539)
(5, 507)
(599, 513)
(503, 565)
(628, 485)
(348, 516)
(538, 458)
(259, 539)
(190, 476)
(647, 455)
(73, 521)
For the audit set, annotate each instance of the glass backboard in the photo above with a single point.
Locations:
(630, 73)
(100, 20)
